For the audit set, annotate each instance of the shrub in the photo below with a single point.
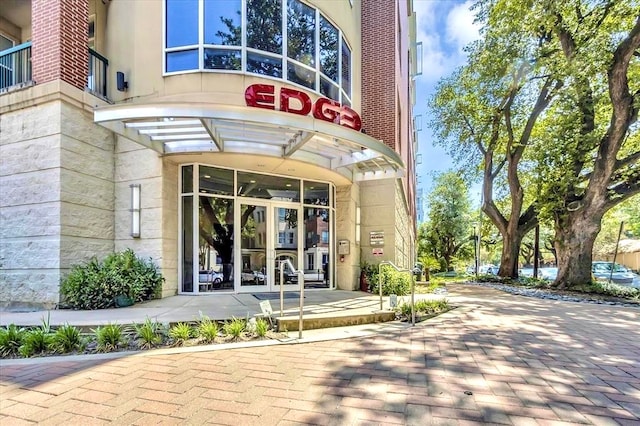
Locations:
(180, 333)
(424, 307)
(393, 282)
(235, 327)
(95, 285)
(615, 290)
(37, 341)
(67, 339)
(11, 338)
(149, 334)
(109, 337)
(207, 329)
(262, 326)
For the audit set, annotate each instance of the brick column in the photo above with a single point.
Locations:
(379, 32)
(59, 41)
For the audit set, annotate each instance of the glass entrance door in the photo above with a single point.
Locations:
(285, 231)
(268, 233)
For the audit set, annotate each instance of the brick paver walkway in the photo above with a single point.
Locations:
(498, 358)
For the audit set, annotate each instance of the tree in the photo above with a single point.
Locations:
(445, 236)
(561, 78)
(216, 228)
(591, 146)
(487, 111)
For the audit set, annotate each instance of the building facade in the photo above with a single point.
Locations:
(218, 138)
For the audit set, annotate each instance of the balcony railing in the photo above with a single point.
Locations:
(15, 66)
(97, 78)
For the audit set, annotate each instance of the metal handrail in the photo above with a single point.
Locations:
(15, 66)
(97, 73)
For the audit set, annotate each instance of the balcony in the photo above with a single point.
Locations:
(15, 67)
(15, 70)
(97, 75)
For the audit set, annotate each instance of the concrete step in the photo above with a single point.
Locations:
(334, 319)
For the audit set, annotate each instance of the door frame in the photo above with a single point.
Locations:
(270, 245)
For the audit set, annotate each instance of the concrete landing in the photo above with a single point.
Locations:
(335, 319)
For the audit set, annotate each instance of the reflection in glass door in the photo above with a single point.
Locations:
(285, 233)
(253, 248)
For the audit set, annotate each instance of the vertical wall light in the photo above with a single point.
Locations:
(135, 210)
(358, 225)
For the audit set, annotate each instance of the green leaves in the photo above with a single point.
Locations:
(95, 285)
(445, 236)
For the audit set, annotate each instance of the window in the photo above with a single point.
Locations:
(281, 237)
(301, 44)
(325, 237)
(91, 31)
(290, 237)
(216, 35)
(346, 69)
(310, 259)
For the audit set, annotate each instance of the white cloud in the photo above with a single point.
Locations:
(441, 24)
(444, 28)
(460, 26)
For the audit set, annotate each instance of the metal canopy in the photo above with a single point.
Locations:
(187, 128)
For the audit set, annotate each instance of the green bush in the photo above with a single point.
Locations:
(38, 340)
(67, 339)
(615, 290)
(393, 282)
(95, 285)
(149, 334)
(424, 307)
(180, 333)
(235, 327)
(11, 338)
(262, 326)
(108, 337)
(207, 330)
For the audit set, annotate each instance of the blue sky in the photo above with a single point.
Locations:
(444, 28)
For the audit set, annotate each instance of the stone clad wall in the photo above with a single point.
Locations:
(403, 231)
(87, 190)
(56, 208)
(347, 272)
(158, 179)
(385, 209)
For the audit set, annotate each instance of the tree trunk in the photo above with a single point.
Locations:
(510, 254)
(575, 236)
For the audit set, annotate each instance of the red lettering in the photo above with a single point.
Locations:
(327, 110)
(260, 96)
(285, 101)
(350, 118)
(263, 96)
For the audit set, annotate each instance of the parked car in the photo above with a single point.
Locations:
(252, 276)
(549, 274)
(526, 272)
(488, 270)
(602, 272)
(210, 276)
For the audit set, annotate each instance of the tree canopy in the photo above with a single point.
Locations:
(546, 107)
(446, 235)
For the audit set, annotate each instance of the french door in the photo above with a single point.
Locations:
(269, 233)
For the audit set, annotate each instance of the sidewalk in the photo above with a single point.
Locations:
(217, 306)
(496, 359)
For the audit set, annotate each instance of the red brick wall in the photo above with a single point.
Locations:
(378, 70)
(59, 41)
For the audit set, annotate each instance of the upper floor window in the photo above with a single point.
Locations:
(284, 39)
